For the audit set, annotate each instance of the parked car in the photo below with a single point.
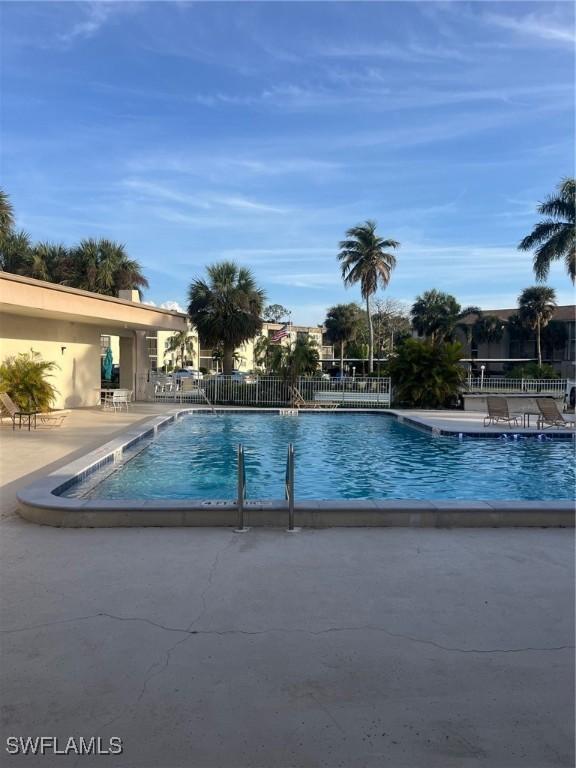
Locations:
(182, 373)
(239, 376)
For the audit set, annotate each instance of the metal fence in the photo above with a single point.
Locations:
(272, 391)
(509, 386)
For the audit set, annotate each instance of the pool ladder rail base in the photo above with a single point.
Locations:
(288, 490)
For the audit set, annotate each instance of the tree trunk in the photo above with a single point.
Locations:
(538, 343)
(342, 357)
(370, 337)
(228, 360)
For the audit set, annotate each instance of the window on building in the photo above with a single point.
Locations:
(104, 345)
(152, 349)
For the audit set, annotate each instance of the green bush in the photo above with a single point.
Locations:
(426, 374)
(24, 378)
(532, 371)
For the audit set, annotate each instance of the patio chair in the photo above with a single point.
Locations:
(117, 399)
(498, 412)
(189, 387)
(550, 416)
(12, 410)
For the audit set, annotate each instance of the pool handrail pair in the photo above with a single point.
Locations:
(288, 487)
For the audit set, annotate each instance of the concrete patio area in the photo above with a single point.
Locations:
(202, 648)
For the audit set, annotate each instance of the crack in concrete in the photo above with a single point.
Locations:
(150, 673)
(287, 630)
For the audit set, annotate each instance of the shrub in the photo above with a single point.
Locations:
(24, 378)
(532, 371)
(426, 375)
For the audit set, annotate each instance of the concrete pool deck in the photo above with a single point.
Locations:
(357, 648)
(400, 648)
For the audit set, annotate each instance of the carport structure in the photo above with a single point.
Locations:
(65, 325)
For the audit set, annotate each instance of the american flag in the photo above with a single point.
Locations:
(280, 334)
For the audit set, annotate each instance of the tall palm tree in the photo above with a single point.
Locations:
(103, 266)
(435, 315)
(365, 260)
(6, 214)
(536, 308)
(226, 308)
(554, 238)
(182, 343)
(341, 326)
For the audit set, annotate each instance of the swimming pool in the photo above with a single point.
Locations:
(360, 456)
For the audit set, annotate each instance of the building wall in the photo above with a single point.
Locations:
(77, 377)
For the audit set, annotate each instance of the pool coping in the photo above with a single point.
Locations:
(40, 503)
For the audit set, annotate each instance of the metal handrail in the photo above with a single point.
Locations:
(241, 487)
(289, 485)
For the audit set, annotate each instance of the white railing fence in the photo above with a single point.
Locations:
(502, 385)
(269, 391)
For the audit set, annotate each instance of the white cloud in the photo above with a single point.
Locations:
(172, 305)
(96, 15)
(207, 202)
(550, 28)
(307, 279)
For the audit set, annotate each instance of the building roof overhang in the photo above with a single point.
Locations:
(39, 299)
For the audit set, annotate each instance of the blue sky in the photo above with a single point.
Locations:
(260, 132)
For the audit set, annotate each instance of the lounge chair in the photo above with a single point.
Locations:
(550, 416)
(53, 418)
(498, 412)
(12, 410)
(298, 401)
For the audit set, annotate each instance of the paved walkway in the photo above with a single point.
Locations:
(473, 421)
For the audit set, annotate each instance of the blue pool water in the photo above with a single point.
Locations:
(338, 456)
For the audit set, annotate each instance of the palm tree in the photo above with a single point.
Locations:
(6, 214)
(294, 360)
(554, 238)
(341, 326)
(365, 260)
(468, 327)
(15, 253)
(435, 315)
(489, 329)
(536, 308)
(103, 266)
(262, 350)
(48, 262)
(227, 308)
(182, 343)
